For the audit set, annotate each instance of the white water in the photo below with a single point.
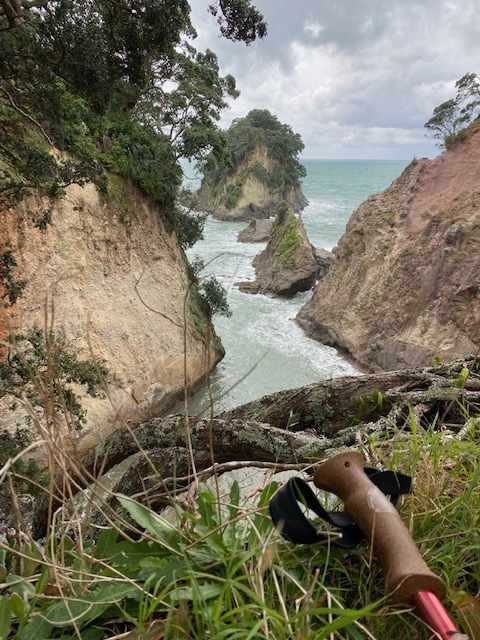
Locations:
(265, 350)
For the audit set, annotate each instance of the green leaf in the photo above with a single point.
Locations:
(93, 633)
(89, 607)
(267, 494)
(362, 406)
(24, 589)
(157, 526)
(166, 569)
(106, 541)
(205, 591)
(234, 499)
(377, 397)
(37, 628)
(130, 555)
(17, 605)
(203, 555)
(5, 617)
(30, 559)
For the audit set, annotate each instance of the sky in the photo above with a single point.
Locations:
(355, 78)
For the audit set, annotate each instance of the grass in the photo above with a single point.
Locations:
(213, 566)
(219, 570)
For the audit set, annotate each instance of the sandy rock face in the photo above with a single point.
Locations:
(256, 200)
(405, 286)
(112, 281)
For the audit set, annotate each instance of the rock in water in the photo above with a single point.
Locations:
(256, 231)
(288, 264)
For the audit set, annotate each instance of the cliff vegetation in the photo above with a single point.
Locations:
(259, 170)
(113, 566)
(97, 104)
(84, 555)
(288, 263)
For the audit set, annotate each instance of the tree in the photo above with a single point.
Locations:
(14, 10)
(185, 102)
(260, 127)
(106, 50)
(114, 84)
(450, 118)
(238, 20)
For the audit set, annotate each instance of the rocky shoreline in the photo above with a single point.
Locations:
(405, 285)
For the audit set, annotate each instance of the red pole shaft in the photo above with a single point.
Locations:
(435, 615)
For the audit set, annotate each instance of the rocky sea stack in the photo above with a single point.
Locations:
(288, 264)
(260, 170)
(405, 287)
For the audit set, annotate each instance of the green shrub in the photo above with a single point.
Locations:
(44, 368)
(142, 155)
(215, 296)
(12, 288)
(232, 195)
(187, 226)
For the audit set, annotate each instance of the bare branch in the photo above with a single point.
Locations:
(25, 114)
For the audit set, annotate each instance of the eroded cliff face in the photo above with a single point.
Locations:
(405, 286)
(110, 279)
(248, 194)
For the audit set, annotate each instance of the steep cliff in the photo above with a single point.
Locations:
(108, 277)
(405, 286)
(245, 193)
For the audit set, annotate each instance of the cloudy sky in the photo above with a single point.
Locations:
(356, 78)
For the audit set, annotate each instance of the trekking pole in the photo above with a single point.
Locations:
(408, 578)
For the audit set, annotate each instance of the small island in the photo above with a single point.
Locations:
(259, 169)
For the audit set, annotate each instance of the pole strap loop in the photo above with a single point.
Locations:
(288, 516)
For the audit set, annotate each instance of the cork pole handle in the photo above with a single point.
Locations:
(404, 569)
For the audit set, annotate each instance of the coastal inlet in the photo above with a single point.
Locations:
(265, 350)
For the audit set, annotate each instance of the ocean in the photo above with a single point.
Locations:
(265, 350)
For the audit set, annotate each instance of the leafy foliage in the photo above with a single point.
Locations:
(239, 20)
(210, 290)
(259, 129)
(12, 288)
(450, 118)
(141, 155)
(35, 365)
(188, 227)
(216, 296)
(90, 79)
(232, 195)
(188, 112)
(219, 569)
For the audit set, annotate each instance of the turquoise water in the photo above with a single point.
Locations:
(335, 188)
(265, 350)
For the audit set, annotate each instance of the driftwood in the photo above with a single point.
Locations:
(298, 424)
(330, 406)
(291, 427)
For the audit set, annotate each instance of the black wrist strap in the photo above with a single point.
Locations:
(293, 524)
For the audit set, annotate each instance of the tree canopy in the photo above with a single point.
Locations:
(116, 84)
(259, 128)
(187, 113)
(238, 20)
(450, 119)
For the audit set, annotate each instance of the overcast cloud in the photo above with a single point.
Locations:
(355, 78)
